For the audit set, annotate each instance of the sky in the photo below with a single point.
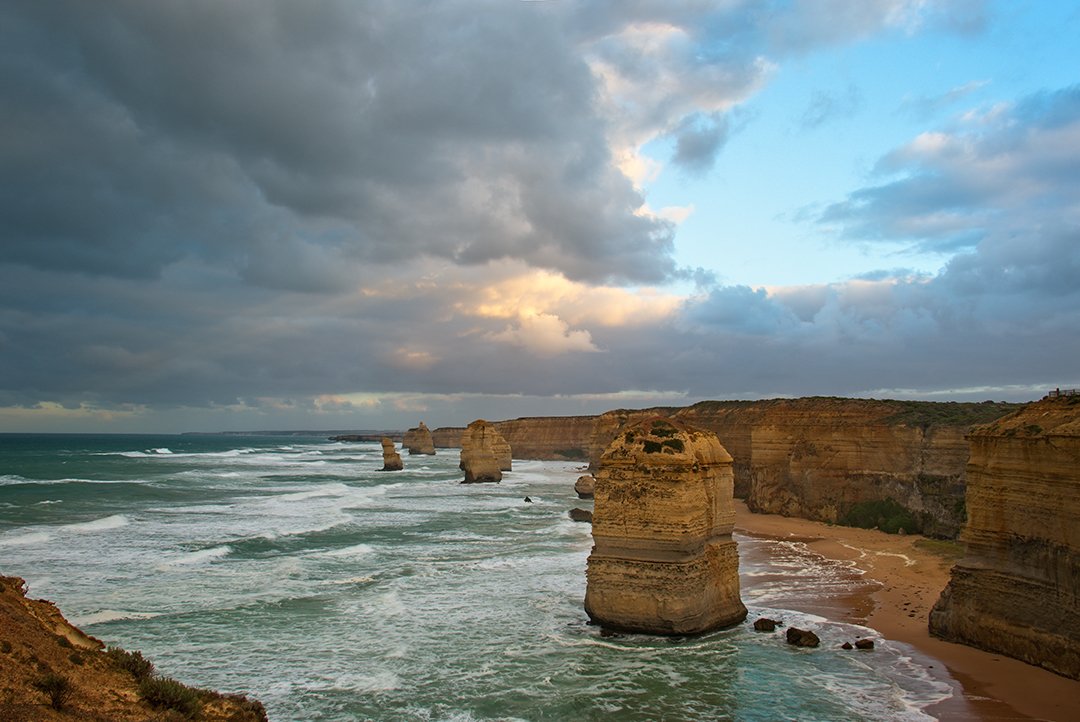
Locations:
(263, 214)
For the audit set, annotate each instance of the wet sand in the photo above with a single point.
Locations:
(905, 581)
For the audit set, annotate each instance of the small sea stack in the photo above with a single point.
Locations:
(418, 440)
(663, 560)
(482, 450)
(584, 486)
(391, 459)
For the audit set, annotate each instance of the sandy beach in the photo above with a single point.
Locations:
(908, 573)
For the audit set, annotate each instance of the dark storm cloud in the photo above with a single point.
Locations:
(216, 205)
(268, 135)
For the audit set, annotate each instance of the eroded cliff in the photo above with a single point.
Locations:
(1017, 591)
(663, 560)
(549, 437)
(833, 459)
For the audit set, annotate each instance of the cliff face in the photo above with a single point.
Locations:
(823, 458)
(1017, 591)
(37, 643)
(448, 437)
(663, 561)
(826, 458)
(549, 437)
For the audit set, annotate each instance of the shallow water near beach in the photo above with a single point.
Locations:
(293, 570)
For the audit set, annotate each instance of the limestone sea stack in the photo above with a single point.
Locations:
(663, 560)
(584, 486)
(1017, 591)
(484, 453)
(418, 440)
(391, 459)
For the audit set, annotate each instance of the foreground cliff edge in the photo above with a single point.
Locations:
(1017, 591)
(663, 560)
(51, 670)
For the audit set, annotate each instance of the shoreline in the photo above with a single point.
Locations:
(906, 579)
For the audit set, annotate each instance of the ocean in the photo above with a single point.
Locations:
(293, 570)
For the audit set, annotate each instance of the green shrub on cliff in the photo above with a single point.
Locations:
(167, 693)
(56, 687)
(134, 662)
(886, 515)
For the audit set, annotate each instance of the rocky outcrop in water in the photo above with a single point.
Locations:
(418, 440)
(585, 486)
(663, 560)
(1017, 591)
(578, 514)
(801, 637)
(391, 459)
(44, 659)
(484, 453)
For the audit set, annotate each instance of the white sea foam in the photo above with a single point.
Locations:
(110, 522)
(197, 557)
(354, 551)
(349, 581)
(25, 539)
(110, 615)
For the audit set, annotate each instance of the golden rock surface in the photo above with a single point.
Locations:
(1017, 591)
(663, 560)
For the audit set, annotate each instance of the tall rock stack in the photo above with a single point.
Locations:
(663, 560)
(391, 459)
(1017, 592)
(484, 453)
(418, 441)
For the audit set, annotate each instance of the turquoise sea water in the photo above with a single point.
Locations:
(293, 570)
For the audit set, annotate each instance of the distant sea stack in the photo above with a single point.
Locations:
(391, 459)
(663, 560)
(1017, 592)
(418, 440)
(484, 453)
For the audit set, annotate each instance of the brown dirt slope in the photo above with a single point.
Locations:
(39, 648)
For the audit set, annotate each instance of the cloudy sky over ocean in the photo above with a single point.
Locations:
(257, 215)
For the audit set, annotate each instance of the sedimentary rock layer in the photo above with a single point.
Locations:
(484, 453)
(449, 437)
(549, 437)
(418, 440)
(391, 459)
(818, 458)
(663, 561)
(1017, 591)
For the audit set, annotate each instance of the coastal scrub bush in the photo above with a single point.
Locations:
(56, 687)
(886, 515)
(5, 647)
(167, 693)
(134, 662)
